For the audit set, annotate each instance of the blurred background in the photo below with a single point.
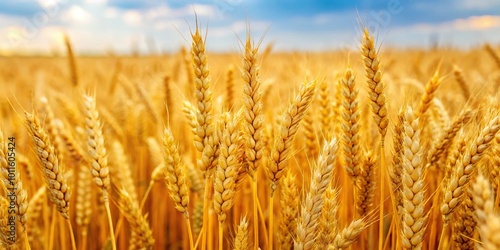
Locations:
(161, 26)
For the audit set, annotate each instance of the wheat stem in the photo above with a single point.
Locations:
(52, 228)
(271, 222)
(72, 236)
(221, 235)
(110, 220)
(255, 214)
(190, 234)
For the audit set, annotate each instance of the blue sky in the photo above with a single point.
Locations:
(101, 25)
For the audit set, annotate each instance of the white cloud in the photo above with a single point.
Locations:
(49, 3)
(97, 2)
(470, 23)
(165, 12)
(76, 14)
(132, 17)
(110, 12)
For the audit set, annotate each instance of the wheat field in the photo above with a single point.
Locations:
(365, 148)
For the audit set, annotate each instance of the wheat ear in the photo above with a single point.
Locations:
(311, 208)
(288, 127)
(203, 92)
(121, 170)
(348, 235)
(375, 83)
(414, 217)
(205, 128)
(98, 159)
(83, 203)
(379, 109)
(328, 222)
(176, 179)
(54, 176)
(11, 179)
(281, 151)
(350, 125)
(226, 173)
(5, 241)
(169, 99)
(71, 61)
(488, 220)
(175, 174)
(365, 184)
(446, 139)
(430, 89)
(465, 168)
(55, 179)
(142, 236)
(230, 87)
(459, 77)
(36, 204)
(253, 120)
(289, 211)
(52, 128)
(242, 238)
(95, 142)
(464, 225)
(397, 159)
(483, 199)
(494, 55)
